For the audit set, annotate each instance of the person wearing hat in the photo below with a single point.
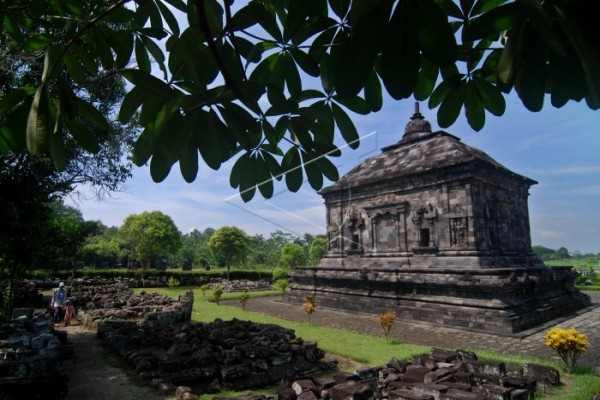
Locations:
(59, 298)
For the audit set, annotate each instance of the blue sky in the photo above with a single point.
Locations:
(559, 148)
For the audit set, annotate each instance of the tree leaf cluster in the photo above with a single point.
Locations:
(272, 84)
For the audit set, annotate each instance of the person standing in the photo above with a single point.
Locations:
(69, 311)
(59, 298)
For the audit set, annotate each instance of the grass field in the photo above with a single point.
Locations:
(372, 350)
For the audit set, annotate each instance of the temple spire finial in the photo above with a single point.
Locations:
(417, 114)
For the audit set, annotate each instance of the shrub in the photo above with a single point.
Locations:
(309, 306)
(283, 285)
(568, 343)
(279, 273)
(173, 282)
(217, 293)
(386, 321)
(244, 297)
(203, 289)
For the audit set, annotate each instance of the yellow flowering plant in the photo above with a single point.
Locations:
(309, 306)
(386, 321)
(568, 343)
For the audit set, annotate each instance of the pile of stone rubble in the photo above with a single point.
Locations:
(31, 356)
(95, 304)
(235, 354)
(441, 375)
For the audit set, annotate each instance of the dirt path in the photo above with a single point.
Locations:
(96, 373)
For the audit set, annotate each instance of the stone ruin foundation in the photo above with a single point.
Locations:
(31, 356)
(438, 232)
(154, 335)
(235, 355)
(440, 375)
(95, 304)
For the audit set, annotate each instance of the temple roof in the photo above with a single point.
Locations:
(420, 150)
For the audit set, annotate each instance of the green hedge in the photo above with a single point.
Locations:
(253, 275)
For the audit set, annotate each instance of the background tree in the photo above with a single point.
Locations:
(67, 233)
(292, 255)
(148, 235)
(229, 246)
(106, 249)
(317, 249)
(310, 60)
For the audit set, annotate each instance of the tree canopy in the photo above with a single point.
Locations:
(229, 245)
(150, 234)
(292, 255)
(269, 83)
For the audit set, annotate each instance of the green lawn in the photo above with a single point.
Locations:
(370, 350)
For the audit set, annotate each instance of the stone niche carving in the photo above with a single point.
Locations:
(441, 231)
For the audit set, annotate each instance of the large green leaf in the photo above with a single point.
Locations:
(74, 68)
(15, 97)
(82, 134)
(100, 35)
(353, 57)
(264, 181)
(373, 95)
(482, 6)
(493, 22)
(530, 81)
(320, 45)
(141, 56)
(149, 84)
(580, 26)
(450, 108)
(188, 153)
(313, 173)
(474, 110)
(427, 78)
(38, 123)
(491, 97)
(38, 41)
(400, 56)
(292, 168)
(92, 115)
(346, 126)
(161, 163)
(248, 179)
(131, 102)
(354, 103)
(238, 169)
(292, 77)
(88, 61)
(156, 53)
(57, 145)
(169, 18)
(305, 62)
(286, 107)
(450, 8)
(123, 48)
(436, 37)
(248, 16)
(328, 169)
(12, 129)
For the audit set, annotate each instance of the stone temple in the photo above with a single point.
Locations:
(438, 232)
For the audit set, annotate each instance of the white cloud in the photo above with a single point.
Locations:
(548, 234)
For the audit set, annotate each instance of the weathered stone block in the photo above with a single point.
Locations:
(489, 368)
(352, 390)
(303, 385)
(455, 394)
(546, 377)
(403, 394)
(415, 373)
